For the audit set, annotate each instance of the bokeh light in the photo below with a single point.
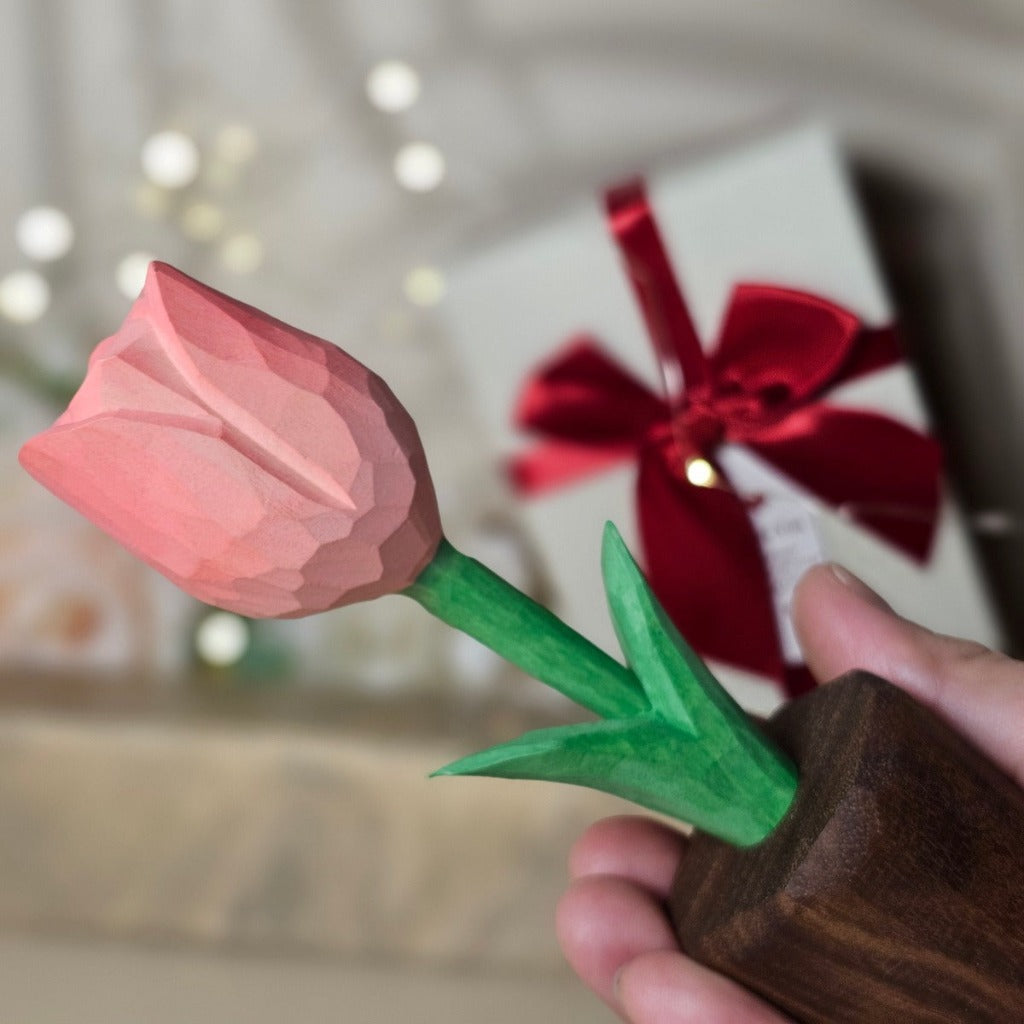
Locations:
(44, 233)
(170, 159)
(424, 286)
(222, 639)
(202, 221)
(393, 86)
(152, 201)
(242, 253)
(24, 296)
(131, 273)
(419, 167)
(700, 472)
(236, 143)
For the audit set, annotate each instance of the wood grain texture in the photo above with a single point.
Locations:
(893, 889)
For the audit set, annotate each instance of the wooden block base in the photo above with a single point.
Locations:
(893, 890)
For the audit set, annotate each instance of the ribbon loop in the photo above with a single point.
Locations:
(779, 350)
(582, 395)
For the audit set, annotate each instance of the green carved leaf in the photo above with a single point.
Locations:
(673, 741)
(646, 760)
(677, 682)
(680, 686)
(667, 675)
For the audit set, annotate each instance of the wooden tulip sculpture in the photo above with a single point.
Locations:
(267, 472)
(257, 467)
(861, 866)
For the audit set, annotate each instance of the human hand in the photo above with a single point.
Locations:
(611, 921)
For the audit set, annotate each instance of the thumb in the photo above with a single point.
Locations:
(843, 625)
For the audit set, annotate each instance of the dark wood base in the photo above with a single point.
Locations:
(892, 891)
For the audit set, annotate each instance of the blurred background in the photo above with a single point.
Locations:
(206, 817)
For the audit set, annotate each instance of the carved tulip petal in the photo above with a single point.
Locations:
(138, 379)
(261, 469)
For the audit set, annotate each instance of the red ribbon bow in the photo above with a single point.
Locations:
(760, 385)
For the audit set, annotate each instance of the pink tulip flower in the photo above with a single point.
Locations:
(266, 472)
(259, 468)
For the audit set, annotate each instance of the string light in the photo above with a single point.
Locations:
(202, 221)
(700, 472)
(44, 233)
(393, 86)
(221, 174)
(24, 296)
(131, 273)
(151, 200)
(222, 639)
(424, 286)
(395, 324)
(236, 143)
(170, 159)
(419, 167)
(242, 253)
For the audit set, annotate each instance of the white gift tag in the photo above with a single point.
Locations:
(790, 545)
(785, 523)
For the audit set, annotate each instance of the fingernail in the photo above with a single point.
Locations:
(858, 586)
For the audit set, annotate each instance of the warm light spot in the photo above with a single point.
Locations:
(202, 222)
(242, 253)
(222, 639)
(700, 472)
(72, 622)
(424, 286)
(44, 233)
(220, 174)
(131, 273)
(419, 167)
(151, 200)
(170, 159)
(395, 323)
(236, 143)
(24, 296)
(393, 86)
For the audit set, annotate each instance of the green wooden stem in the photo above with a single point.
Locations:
(693, 754)
(465, 594)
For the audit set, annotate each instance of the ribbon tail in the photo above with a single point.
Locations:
(552, 464)
(675, 338)
(874, 470)
(705, 565)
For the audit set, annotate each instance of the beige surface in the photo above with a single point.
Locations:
(280, 837)
(60, 983)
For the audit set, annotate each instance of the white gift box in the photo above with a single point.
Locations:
(775, 212)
